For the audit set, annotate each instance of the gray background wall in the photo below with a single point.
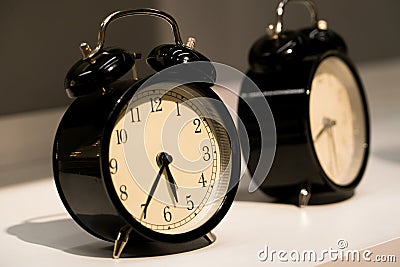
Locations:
(39, 39)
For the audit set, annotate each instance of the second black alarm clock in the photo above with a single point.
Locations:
(155, 159)
(320, 111)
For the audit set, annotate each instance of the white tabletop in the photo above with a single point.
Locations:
(35, 229)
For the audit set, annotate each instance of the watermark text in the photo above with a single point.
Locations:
(339, 253)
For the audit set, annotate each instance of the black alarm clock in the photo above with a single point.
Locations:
(320, 112)
(151, 159)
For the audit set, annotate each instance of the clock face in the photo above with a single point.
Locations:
(337, 121)
(169, 160)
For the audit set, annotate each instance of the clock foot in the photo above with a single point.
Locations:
(121, 241)
(304, 197)
(210, 237)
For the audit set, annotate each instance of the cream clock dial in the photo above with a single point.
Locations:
(166, 161)
(337, 121)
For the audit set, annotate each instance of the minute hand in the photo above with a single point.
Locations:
(152, 190)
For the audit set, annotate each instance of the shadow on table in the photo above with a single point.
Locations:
(65, 235)
(388, 153)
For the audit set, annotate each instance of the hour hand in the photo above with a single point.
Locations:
(164, 159)
(328, 123)
(171, 182)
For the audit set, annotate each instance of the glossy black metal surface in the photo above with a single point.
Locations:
(168, 55)
(76, 164)
(276, 54)
(321, 41)
(270, 54)
(285, 78)
(91, 75)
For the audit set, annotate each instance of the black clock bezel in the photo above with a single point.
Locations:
(360, 88)
(137, 227)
